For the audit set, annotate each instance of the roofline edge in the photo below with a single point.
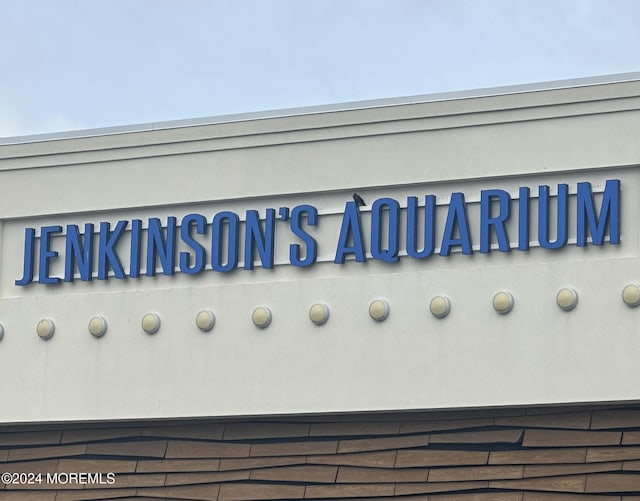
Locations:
(326, 108)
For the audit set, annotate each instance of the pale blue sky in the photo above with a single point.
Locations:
(72, 64)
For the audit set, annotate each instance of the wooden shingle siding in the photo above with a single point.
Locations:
(475, 473)
(56, 451)
(206, 477)
(95, 494)
(303, 473)
(631, 438)
(478, 437)
(432, 487)
(615, 418)
(566, 420)
(209, 431)
(539, 456)
(147, 448)
(631, 465)
(567, 483)
(426, 457)
(551, 470)
(196, 449)
(555, 438)
(379, 444)
(92, 435)
(263, 462)
(294, 448)
(548, 496)
(358, 475)
(30, 438)
(242, 491)
(244, 431)
(619, 482)
(99, 465)
(550, 454)
(612, 453)
(349, 491)
(429, 426)
(177, 465)
(351, 429)
(383, 459)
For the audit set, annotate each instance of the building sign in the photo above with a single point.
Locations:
(224, 242)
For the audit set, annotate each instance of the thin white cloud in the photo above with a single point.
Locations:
(118, 62)
(13, 123)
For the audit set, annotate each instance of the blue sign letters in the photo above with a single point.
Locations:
(172, 246)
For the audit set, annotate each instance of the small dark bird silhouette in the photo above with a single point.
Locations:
(358, 200)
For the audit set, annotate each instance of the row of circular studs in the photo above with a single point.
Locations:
(440, 306)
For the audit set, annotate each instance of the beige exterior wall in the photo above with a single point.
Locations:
(537, 354)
